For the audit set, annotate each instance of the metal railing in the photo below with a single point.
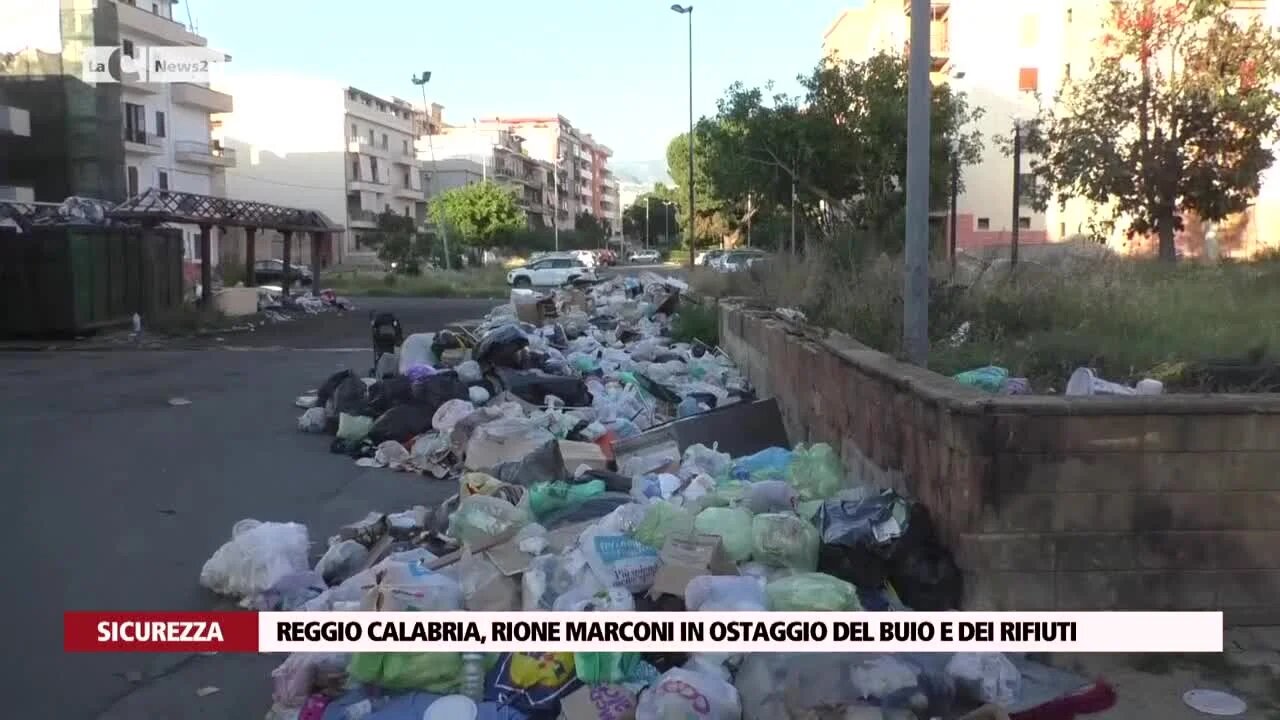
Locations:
(142, 137)
(205, 148)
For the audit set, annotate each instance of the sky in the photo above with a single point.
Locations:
(617, 69)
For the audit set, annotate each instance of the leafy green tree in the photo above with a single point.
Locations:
(661, 215)
(397, 241)
(710, 220)
(593, 229)
(1177, 116)
(481, 214)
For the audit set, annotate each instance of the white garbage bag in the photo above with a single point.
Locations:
(313, 420)
(416, 350)
(988, 677)
(257, 556)
(681, 693)
(448, 414)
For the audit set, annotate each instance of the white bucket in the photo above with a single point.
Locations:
(1083, 382)
(452, 707)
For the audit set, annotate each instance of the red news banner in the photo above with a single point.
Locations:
(252, 632)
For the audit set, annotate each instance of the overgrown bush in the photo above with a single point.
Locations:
(697, 322)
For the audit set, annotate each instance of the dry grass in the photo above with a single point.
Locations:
(1122, 317)
(483, 282)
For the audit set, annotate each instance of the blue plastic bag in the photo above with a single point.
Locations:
(768, 464)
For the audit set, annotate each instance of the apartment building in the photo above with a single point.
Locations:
(586, 182)
(495, 154)
(1007, 56)
(310, 143)
(15, 128)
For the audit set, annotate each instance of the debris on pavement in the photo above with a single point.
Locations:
(601, 465)
(179, 401)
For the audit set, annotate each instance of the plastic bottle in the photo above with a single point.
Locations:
(473, 676)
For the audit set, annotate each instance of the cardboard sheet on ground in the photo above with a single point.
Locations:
(685, 557)
(511, 560)
(739, 429)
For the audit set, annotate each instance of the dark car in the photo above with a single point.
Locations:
(271, 272)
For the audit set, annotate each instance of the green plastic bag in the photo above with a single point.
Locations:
(784, 540)
(733, 525)
(812, 592)
(661, 521)
(353, 428)
(815, 473)
(989, 378)
(433, 672)
(548, 498)
(480, 518)
(595, 668)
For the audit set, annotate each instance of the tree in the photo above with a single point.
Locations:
(662, 217)
(481, 214)
(593, 229)
(710, 225)
(841, 147)
(1175, 117)
(398, 242)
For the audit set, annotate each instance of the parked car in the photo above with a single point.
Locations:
(586, 257)
(271, 272)
(607, 257)
(736, 260)
(550, 272)
(706, 258)
(644, 256)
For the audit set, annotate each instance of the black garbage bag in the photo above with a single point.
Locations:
(386, 394)
(850, 549)
(627, 335)
(438, 389)
(501, 347)
(353, 448)
(922, 571)
(545, 464)
(533, 386)
(330, 385)
(445, 340)
(401, 423)
(350, 396)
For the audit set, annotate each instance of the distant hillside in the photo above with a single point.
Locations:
(645, 172)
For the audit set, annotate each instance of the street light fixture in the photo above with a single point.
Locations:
(683, 10)
(666, 218)
(421, 81)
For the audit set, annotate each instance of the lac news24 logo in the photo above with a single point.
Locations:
(150, 64)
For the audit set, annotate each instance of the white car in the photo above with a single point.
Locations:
(587, 257)
(550, 272)
(736, 260)
(644, 256)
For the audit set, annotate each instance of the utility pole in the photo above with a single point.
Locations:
(1017, 193)
(692, 213)
(793, 213)
(915, 295)
(555, 188)
(951, 225)
(748, 219)
(648, 199)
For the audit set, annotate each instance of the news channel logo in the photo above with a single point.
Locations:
(155, 64)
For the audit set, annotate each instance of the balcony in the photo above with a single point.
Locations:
(14, 121)
(357, 144)
(204, 153)
(140, 141)
(201, 97)
(156, 26)
(410, 193)
(362, 219)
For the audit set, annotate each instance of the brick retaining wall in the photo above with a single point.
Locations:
(1049, 503)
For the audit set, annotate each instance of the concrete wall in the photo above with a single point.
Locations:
(1168, 503)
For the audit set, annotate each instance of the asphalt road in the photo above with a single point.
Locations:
(117, 499)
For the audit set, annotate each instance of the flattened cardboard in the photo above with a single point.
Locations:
(599, 702)
(511, 560)
(582, 453)
(740, 429)
(685, 557)
(501, 594)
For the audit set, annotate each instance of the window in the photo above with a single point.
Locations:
(373, 170)
(405, 146)
(131, 177)
(126, 47)
(1024, 223)
(407, 183)
(384, 141)
(155, 9)
(1030, 31)
(163, 179)
(355, 168)
(406, 211)
(1066, 71)
(355, 132)
(1062, 231)
(370, 136)
(386, 207)
(160, 129)
(1028, 79)
(135, 123)
(984, 223)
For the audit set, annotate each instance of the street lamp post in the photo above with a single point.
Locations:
(683, 10)
(666, 219)
(421, 81)
(648, 199)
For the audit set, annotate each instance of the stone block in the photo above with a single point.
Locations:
(1253, 470)
(1248, 588)
(1095, 551)
(1103, 433)
(1249, 510)
(1180, 471)
(1178, 550)
(1093, 512)
(1017, 552)
(1023, 512)
(1006, 591)
(1095, 472)
(1177, 511)
(1247, 550)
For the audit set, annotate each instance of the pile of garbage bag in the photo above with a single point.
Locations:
(571, 440)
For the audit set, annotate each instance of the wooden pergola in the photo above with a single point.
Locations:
(155, 207)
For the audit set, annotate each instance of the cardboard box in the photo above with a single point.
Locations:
(498, 594)
(532, 313)
(511, 560)
(685, 557)
(599, 702)
(582, 453)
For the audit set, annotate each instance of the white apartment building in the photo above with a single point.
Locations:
(168, 126)
(495, 154)
(582, 165)
(319, 145)
(1002, 54)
